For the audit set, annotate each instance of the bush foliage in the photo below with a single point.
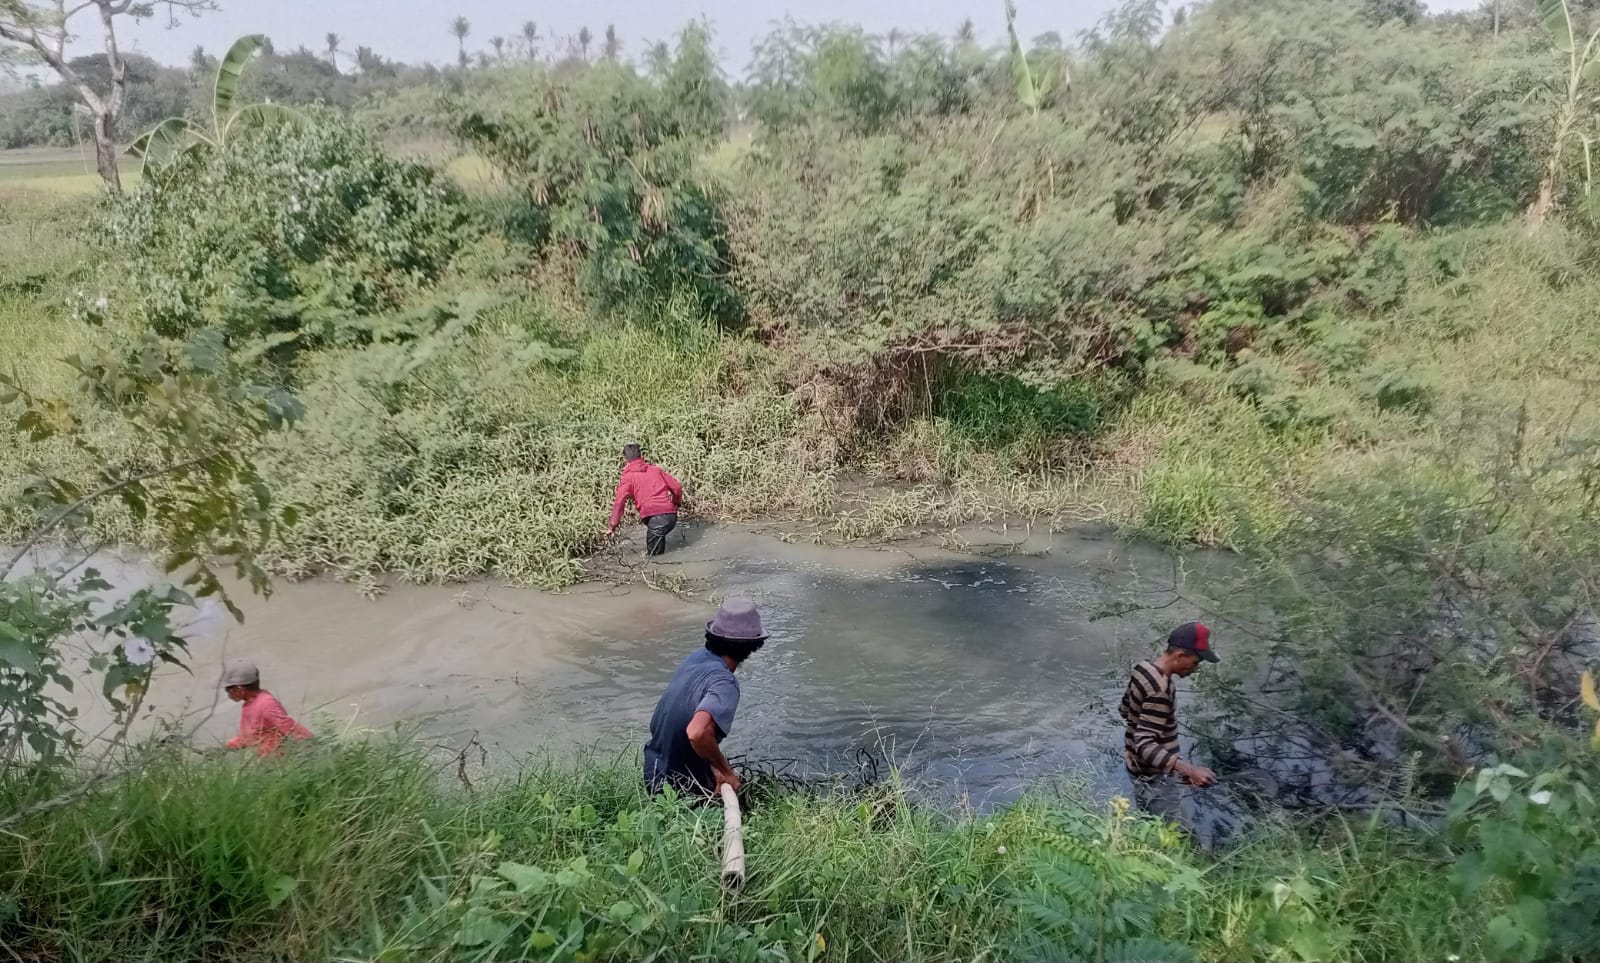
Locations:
(308, 232)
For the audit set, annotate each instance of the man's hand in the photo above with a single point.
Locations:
(729, 777)
(610, 531)
(1198, 776)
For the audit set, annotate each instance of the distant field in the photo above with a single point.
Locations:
(59, 170)
(64, 170)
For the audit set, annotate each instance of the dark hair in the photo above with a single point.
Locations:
(248, 686)
(630, 452)
(736, 649)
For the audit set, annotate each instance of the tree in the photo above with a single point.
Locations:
(460, 28)
(584, 39)
(333, 42)
(499, 45)
(197, 416)
(1407, 12)
(695, 91)
(612, 48)
(200, 64)
(658, 59)
(530, 39)
(895, 37)
(367, 61)
(966, 34)
(40, 32)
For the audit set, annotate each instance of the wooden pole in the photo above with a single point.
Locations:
(732, 838)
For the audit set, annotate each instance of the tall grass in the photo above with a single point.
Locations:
(368, 851)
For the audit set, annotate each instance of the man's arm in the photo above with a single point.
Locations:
(674, 487)
(624, 492)
(247, 734)
(702, 732)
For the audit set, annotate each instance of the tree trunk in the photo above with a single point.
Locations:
(105, 151)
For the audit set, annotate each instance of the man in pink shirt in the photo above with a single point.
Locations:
(657, 494)
(262, 721)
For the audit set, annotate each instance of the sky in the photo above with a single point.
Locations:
(418, 30)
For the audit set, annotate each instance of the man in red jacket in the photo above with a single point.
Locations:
(656, 493)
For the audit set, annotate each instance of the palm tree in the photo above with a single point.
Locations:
(895, 38)
(966, 34)
(584, 39)
(460, 27)
(530, 38)
(613, 44)
(499, 45)
(199, 65)
(333, 50)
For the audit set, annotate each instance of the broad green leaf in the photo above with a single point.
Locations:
(1027, 93)
(162, 142)
(622, 911)
(16, 653)
(527, 879)
(253, 116)
(229, 72)
(1589, 73)
(279, 888)
(1557, 19)
(480, 926)
(1590, 699)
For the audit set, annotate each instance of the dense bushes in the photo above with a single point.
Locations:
(604, 159)
(310, 232)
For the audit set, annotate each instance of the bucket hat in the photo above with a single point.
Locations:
(737, 619)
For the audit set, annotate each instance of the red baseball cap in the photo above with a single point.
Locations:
(1193, 637)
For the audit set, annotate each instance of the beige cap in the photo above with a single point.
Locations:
(240, 672)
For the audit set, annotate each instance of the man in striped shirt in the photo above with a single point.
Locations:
(1150, 737)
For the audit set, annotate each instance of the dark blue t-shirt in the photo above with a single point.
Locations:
(702, 681)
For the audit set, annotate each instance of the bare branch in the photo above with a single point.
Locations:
(51, 49)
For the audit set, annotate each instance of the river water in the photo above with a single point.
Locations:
(977, 671)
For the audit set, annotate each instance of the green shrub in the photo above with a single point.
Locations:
(605, 162)
(305, 231)
(998, 411)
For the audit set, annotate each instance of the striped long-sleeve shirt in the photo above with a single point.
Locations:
(1150, 739)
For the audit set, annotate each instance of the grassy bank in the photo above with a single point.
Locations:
(366, 851)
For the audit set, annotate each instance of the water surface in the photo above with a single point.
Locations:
(976, 674)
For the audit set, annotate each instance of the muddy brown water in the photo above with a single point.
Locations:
(978, 671)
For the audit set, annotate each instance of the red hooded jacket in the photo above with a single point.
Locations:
(651, 487)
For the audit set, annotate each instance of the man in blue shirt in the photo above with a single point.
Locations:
(696, 711)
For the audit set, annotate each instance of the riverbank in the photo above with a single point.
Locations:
(371, 850)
